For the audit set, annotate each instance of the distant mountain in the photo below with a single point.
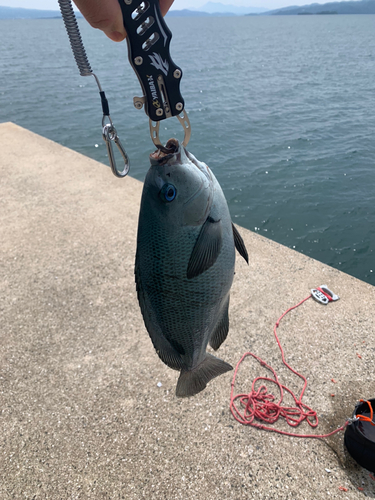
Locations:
(196, 13)
(216, 7)
(18, 13)
(219, 9)
(351, 7)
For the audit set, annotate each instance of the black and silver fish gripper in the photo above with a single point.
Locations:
(148, 50)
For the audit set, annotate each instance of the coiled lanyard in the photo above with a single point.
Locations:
(108, 129)
(157, 73)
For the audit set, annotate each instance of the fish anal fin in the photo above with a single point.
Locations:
(206, 249)
(221, 331)
(168, 354)
(193, 381)
(239, 243)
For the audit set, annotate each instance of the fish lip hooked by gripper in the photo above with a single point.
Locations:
(164, 153)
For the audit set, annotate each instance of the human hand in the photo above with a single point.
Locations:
(106, 15)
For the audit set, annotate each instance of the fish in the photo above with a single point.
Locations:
(184, 266)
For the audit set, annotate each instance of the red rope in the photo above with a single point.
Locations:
(260, 405)
(363, 417)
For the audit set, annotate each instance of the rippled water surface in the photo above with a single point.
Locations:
(282, 109)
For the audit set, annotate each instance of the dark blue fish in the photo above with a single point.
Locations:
(185, 265)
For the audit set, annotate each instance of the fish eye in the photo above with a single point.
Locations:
(168, 192)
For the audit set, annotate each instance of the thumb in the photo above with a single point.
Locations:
(106, 16)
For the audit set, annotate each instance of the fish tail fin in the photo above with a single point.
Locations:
(193, 381)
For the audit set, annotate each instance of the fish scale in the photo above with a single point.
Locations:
(181, 306)
(185, 266)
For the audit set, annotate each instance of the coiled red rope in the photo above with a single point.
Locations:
(260, 406)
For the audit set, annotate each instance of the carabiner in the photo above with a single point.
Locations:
(323, 295)
(109, 136)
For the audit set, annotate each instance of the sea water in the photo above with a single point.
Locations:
(282, 109)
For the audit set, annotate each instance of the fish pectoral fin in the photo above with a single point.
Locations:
(239, 243)
(193, 381)
(206, 249)
(221, 331)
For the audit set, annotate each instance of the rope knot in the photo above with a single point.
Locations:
(260, 405)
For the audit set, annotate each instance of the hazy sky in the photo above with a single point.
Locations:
(178, 4)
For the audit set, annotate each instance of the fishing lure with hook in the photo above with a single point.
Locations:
(108, 129)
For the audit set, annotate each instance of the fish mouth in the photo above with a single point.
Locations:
(164, 153)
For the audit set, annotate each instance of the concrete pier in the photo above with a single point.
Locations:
(88, 410)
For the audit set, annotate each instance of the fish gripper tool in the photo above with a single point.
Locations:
(148, 39)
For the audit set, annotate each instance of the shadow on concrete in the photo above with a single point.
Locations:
(346, 397)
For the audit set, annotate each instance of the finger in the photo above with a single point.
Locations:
(105, 16)
(165, 6)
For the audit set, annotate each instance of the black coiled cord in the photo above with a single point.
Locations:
(109, 132)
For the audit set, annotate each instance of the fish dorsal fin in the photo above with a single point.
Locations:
(239, 243)
(206, 249)
(221, 331)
